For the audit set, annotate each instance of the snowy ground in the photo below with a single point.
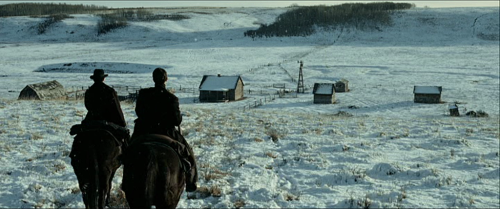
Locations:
(387, 152)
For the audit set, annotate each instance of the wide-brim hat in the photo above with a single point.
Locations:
(98, 74)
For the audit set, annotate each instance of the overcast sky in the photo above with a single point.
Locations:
(261, 3)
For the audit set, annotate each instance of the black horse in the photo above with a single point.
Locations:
(152, 173)
(95, 159)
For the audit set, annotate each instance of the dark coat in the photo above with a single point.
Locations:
(102, 103)
(158, 112)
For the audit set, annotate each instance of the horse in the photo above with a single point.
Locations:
(152, 173)
(95, 159)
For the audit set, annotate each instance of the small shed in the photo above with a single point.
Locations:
(43, 91)
(341, 85)
(324, 93)
(427, 94)
(218, 88)
(454, 110)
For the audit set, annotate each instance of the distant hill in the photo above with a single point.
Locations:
(409, 26)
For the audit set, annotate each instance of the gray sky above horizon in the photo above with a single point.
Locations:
(125, 4)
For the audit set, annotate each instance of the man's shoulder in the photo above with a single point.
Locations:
(107, 87)
(170, 94)
(156, 92)
(100, 86)
(146, 90)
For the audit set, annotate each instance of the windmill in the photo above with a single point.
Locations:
(300, 83)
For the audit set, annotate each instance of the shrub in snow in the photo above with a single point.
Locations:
(109, 23)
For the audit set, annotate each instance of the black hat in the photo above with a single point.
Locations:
(98, 74)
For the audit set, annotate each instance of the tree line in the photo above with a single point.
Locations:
(109, 21)
(119, 18)
(300, 21)
(35, 9)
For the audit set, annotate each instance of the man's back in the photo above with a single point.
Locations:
(102, 103)
(157, 105)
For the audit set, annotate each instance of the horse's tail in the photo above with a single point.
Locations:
(139, 175)
(151, 175)
(93, 190)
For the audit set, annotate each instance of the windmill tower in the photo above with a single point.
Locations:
(300, 83)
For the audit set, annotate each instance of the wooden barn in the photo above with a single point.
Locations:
(341, 85)
(43, 91)
(217, 88)
(324, 93)
(427, 94)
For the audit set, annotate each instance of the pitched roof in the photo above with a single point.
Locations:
(46, 90)
(427, 89)
(324, 88)
(219, 83)
(343, 80)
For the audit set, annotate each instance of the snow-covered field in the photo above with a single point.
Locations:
(387, 152)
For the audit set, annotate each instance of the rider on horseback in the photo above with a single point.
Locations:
(158, 113)
(104, 108)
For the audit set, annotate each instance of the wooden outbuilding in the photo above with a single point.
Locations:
(324, 93)
(427, 94)
(43, 91)
(218, 88)
(341, 85)
(454, 110)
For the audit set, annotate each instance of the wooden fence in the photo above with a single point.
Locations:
(266, 95)
(258, 102)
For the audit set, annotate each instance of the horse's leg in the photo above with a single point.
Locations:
(110, 186)
(170, 199)
(138, 205)
(84, 195)
(136, 198)
(103, 187)
(164, 205)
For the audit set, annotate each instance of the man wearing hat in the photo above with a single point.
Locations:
(158, 113)
(102, 102)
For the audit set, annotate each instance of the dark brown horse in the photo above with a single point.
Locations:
(152, 173)
(95, 159)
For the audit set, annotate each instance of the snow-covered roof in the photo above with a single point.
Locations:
(427, 90)
(343, 80)
(218, 83)
(323, 88)
(45, 90)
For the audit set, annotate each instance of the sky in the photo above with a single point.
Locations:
(125, 4)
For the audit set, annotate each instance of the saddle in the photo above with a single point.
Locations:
(119, 132)
(163, 140)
